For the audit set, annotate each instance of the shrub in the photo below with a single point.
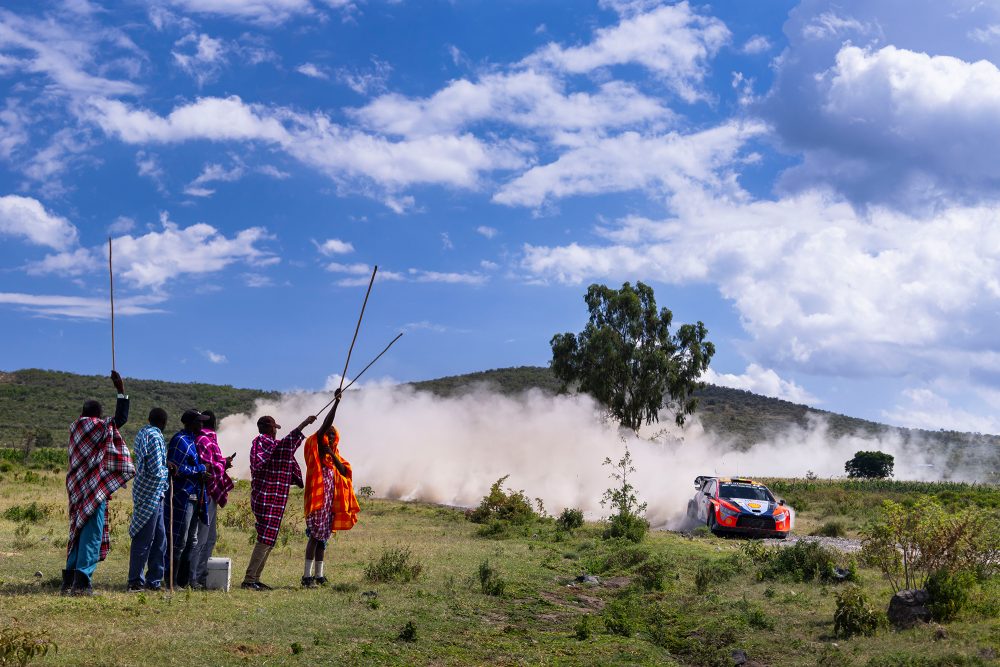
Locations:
(831, 529)
(710, 572)
(409, 632)
(621, 616)
(490, 581)
(623, 556)
(949, 593)
(570, 519)
(238, 515)
(652, 573)
(627, 527)
(910, 543)
(584, 627)
(20, 647)
(394, 564)
(855, 614)
(366, 493)
(803, 561)
(32, 513)
(512, 507)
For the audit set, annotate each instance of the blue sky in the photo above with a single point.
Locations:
(815, 181)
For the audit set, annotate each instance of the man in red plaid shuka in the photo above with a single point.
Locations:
(273, 469)
(99, 465)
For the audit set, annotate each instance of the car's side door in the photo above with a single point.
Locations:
(704, 499)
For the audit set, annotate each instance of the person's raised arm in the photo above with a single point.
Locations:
(305, 422)
(328, 420)
(121, 405)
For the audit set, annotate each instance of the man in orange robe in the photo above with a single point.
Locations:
(330, 502)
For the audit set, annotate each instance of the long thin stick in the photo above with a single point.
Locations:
(358, 327)
(170, 480)
(111, 276)
(362, 372)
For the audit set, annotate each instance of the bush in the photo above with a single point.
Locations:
(570, 519)
(409, 632)
(949, 593)
(32, 513)
(803, 561)
(831, 529)
(623, 557)
(652, 573)
(621, 616)
(584, 627)
(710, 572)
(910, 543)
(394, 564)
(19, 647)
(512, 507)
(366, 493)
(490, 581)
(910, 660)
(627, 527)
(855, 614)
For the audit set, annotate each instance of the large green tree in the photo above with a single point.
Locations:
(627, 358)
(870, 465)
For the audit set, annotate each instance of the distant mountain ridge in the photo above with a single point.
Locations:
(40, 401)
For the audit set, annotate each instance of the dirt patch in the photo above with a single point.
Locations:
(250, 650)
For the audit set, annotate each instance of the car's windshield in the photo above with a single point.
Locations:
(745, 492)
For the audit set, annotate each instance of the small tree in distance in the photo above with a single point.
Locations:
(870, 465)
(627, 358)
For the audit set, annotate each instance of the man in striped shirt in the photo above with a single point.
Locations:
(149, 535)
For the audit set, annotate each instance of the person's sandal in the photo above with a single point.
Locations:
(308, 582)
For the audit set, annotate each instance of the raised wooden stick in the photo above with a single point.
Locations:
(361, 373)
(357, 328)
(111, 276)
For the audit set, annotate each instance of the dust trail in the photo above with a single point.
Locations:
(416, 446)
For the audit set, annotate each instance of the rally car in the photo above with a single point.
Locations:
(739, 506)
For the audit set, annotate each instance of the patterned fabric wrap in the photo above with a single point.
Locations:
(273, 469)
(149, 452)
(210, 454)
(319, 522)
(99, 465)
(325, 485)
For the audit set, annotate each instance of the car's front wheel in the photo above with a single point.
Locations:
(713, 525)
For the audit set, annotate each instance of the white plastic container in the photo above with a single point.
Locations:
(219, 570)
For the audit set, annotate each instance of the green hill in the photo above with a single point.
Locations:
(45, 402)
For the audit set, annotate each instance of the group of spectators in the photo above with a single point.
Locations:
(182, 484)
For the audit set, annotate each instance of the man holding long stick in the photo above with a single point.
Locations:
(273, 469)
(99, 465)
(330, 503)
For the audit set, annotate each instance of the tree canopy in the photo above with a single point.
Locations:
(627, 358)
(871, 465)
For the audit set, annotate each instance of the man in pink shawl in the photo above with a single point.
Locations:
(99, 465)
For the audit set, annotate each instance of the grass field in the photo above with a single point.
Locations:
(541, 617)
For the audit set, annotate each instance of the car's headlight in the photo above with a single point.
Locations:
(727, 513)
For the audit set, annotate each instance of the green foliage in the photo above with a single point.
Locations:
(921, 660)
(855, 614)
(409, 632)
(570, 519)
(949, 593)
(394, 564)
(32, 513)
(622, 616)
(870, 465)
(512, 507)
(712, 572)
(584, 627)
(626, 522)
(753, 615)
(296, 648)
(20, 647)
(908, 543)
(652, 573)
(627, 358)
(366, 493)
(490, 581)
(803, 561)
(831, 529)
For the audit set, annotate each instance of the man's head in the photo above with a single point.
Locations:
(210, 419)
(158, 418)
(192, 420)
(92, 409)
(267, 426)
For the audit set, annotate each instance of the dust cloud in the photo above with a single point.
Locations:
(413, 445)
